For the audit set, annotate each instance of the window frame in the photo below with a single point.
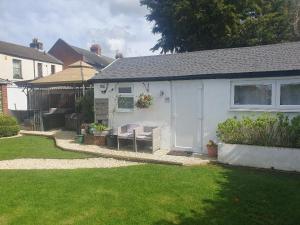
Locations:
(278, 91)
(54, 69)
(248, 83)
(38, 69)
(20, 75)
(128, 95)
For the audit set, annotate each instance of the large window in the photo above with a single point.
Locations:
(290, 94)
(274, 94)
(125, 98)
(253, 94)
(17, 69)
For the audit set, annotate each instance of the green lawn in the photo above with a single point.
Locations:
(34, 147)
(149, 194)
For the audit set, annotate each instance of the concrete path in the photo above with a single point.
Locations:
(63, 163)
(65, 140)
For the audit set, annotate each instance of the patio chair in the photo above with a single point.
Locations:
(127, 132)
(148, 134)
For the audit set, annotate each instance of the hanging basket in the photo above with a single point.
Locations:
(144, 101)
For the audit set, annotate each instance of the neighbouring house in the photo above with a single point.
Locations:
(20, 64)
(193, 92)
(69, 54)
(3, 96)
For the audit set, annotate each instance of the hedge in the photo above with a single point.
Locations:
(265, 130)
(8, 126)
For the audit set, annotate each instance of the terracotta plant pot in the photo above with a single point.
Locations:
(212, 151)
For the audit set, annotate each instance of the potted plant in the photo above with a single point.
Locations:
(212, 149)
(144, 101)
(100, 129)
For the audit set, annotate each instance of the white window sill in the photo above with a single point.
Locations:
(124, 110)
(262, 110)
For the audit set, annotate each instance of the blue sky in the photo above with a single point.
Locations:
(114, 24)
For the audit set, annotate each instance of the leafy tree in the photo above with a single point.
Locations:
(190, 25)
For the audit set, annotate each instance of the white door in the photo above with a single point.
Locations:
(186, 115)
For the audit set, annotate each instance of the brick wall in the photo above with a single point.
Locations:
(3, 88)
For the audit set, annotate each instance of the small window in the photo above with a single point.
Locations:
(17, 69)
(290, 94)
(125, 102)
(125, 98)
(253, 94)
(52, 69)
(40, 69)
(125, 90)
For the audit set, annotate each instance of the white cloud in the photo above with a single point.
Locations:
(114, 24)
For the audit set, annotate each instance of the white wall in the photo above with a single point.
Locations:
(216, 108)
(16, 97)
(260, 156)
(159, 114)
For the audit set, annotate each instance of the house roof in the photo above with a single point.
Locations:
(92, 58)
(76, 73)
(98, 61)
(26, 52)
(246, 62)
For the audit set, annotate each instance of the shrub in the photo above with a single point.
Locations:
(8, 126)
(265, 130)
(85, 106)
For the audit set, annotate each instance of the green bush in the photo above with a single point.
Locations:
(85, 106)
(8, 126)
(264, 130)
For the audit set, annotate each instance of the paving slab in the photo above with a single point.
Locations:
(65, 141)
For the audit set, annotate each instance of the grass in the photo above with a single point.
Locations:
(34, 147)
(149, 194)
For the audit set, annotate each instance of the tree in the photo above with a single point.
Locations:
(190, 25)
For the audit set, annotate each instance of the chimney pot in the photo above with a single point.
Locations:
(95, 48)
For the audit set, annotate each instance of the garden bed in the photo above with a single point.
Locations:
(287, 159)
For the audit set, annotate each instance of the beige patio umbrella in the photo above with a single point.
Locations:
(76, 73)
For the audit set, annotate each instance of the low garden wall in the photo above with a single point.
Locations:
(287, 159)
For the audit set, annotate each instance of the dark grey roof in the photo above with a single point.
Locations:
(91, 58)
(26, 52)
(266, 60)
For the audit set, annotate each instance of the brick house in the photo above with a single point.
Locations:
(69, 54)
(3, 96)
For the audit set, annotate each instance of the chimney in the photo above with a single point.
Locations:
(119, 55)
(36, 44)
(95, 48)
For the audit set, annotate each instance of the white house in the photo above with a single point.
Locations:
(21, 64)
(195, 91)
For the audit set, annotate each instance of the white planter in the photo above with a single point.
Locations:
(259, 156)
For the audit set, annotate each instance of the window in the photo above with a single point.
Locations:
(52, 69)
(40, 69)
(125, 98)
(17, 69)
(253, 94)
(290, 94)
(272, 94)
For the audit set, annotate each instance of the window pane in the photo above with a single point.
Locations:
(17, 72)
(125, 102)
(40, 69)
(253, 95)
(290, 94)
(125, 90)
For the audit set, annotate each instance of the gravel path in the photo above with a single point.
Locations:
(63, 163)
